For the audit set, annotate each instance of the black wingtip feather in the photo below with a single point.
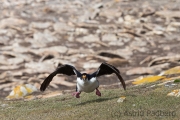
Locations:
(61, 69)
(111, 66)
(106, 68)
(46, 82)
(122, 82)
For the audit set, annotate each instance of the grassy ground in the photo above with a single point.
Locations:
(141, 103)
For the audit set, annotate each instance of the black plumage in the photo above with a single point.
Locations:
(63, 69)
(90, 79)
(106, 69)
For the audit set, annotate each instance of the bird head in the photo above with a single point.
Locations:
(84, 77)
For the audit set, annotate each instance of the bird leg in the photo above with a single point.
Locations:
(76, 94)
(98, 92)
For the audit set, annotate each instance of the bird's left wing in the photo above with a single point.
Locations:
(105, 69)
(63, 69)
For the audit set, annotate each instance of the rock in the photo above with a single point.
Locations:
(7, 85)
(52, 94)
(4, 75)
(147, 59)
(3, 31)
(110, 54)
(138, 42)
(109, 37)
(120, 20)
(15, 61)
(81, 31)
(169, 14)
(88, 39)
(125, 53)
(119, 53)
(54, 51)
(147, 79)
(41, 39)
(42, 76)
(116, 43)
(15, 55)
(44, 67)
(18, 73)
(158, 32)
(118, 62)
(4, 40)
(101, 58)
(55, 86)
(166, 59)
(102, 44)
(171, 71)
(11, 67)
(8, 22)
(108, 13)
(91, 65)
(94, 14)
(175, 24)
(121, 99)
(73, 51)
(148, 70)
(18, 49)
(78, 3)
(3, 60)
(175, 93)
(129, 18)
(62, 81)
(21, 91)
(33, 80)
(173, 27)
(40, 25)
(62, 28)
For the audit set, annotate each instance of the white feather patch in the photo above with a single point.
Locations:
(87, 86)
(75, 71)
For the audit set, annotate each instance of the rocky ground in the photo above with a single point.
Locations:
(139, 37)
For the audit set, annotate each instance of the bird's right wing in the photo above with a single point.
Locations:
(63, 69)
(107, 69)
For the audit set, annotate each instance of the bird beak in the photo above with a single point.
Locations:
(84, 77)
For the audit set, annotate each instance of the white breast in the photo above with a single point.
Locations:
(87, 86)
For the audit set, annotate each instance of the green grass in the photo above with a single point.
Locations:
(141, 103)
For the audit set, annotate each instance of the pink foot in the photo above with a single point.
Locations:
(98, 92)
(76, 94)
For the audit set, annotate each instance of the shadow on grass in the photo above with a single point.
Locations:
(96, 100)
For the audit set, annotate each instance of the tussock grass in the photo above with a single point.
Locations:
(141, 103)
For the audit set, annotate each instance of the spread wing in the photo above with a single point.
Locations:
(106, 69)
(63, 69)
